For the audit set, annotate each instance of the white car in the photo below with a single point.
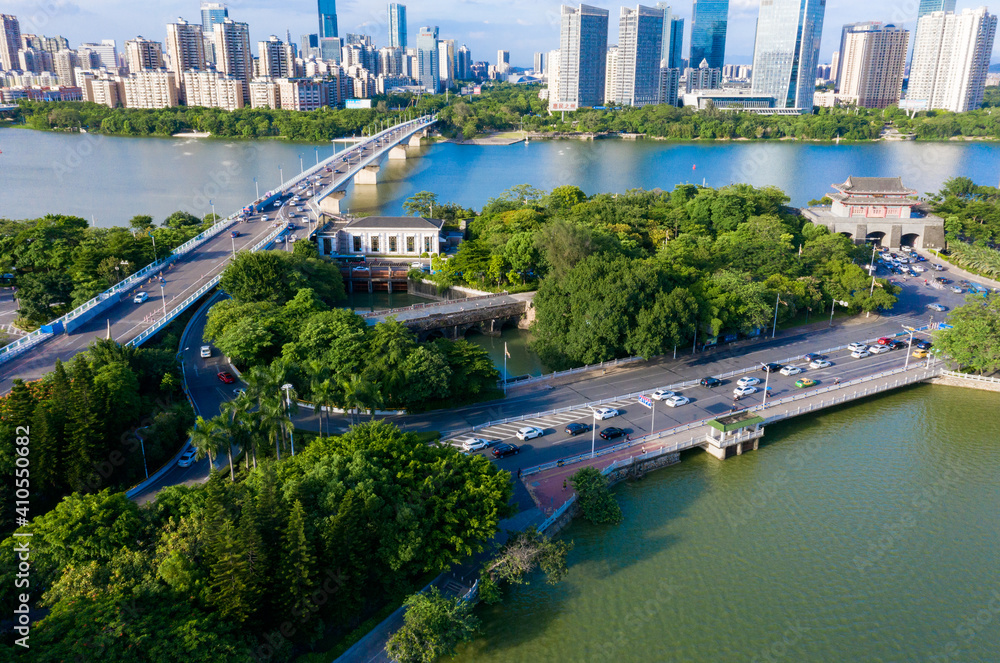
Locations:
(603, 413)
(747, 381)
(206, 351)
(820, 363)
(529, 433)
(187, 458)
(676, 401)
(861, 354)
(662, 394)
(140, 298)
(791, 370)
(857, 347)
(475, 444)
(744, 391)
(878, 349)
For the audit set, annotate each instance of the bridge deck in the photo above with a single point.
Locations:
(420, 311)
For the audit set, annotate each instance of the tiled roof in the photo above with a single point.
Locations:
(874, 185)
(394, 223)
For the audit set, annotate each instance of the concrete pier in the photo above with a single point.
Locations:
(331, 204)
(368, 175)
(398, 153)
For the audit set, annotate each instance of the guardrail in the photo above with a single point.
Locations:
(15, 348)
(556, 514)
(969, 376)
(417, 307)
(572, 371)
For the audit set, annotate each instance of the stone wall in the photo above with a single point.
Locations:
(968, 383)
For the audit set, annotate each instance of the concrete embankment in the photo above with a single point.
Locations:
(952, 379)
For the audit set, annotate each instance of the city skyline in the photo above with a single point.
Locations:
(521, 27)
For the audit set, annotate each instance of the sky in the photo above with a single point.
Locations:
(520, 26)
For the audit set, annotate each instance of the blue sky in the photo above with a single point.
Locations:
(520, 26)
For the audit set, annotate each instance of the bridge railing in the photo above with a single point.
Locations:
(418, 307)
(969, 376)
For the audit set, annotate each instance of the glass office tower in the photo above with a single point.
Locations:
(328, 18)
(928, 6)
(787, 51)
(397, 25)
(709, 22)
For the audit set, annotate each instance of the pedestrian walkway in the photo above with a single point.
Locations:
(957, 271)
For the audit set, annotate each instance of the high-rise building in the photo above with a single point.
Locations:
(950, 60)
(503, 61)
(583, 46)
(672, 55)
(611, 75)
(397, 25)
(428, 63)
(212, 13)
(328, 18)
(874, 65)
(106, 53)
(539, 63)
(709, 22)
(10, 42)
(277, 60)
(143, 54)
(928, 6)
(185, 47)
(64, 63)
(232, 50)
(331, 49)
(640, 56)
(843, 45)
(447, 62)
(702, 78)
(210, 89)
(34, 60)
(390, 61)
(310, 46)
(463, 69)
(787, 51)
(151, 89)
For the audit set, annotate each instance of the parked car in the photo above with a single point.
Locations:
(747, 381)
(897, 345)
(744, 391)
(710, 382)
(140, 298)
(187, 458)
(206, 351)
(226, 377)
(603, 413)
(857, 347)
(923, 345)
(528, 433)
(802, 383)
(771, 368)
(878, 349)
(937, 307)
(921, 354)
(942, 280)
(938, 268)
(885, 340)
(611, 433)
(791, 370)
(861, 354)
(501, 450)
(662, 394)
(576, 428)
(677, 401)
(956, 289)
(820, 363)
(811, 356)
(475, 444)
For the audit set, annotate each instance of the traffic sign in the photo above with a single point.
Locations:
(646, 400)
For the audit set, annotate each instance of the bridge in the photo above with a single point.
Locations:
(487, 314)
(7, 108)
(174, 282)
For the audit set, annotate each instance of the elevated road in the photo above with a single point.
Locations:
(197, 267)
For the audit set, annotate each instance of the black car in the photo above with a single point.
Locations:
(577, 428)
(501, 450)
(943, 280)
(771, 368)
(710, 382)
(610, 433)
(896, 345)
(923, 345)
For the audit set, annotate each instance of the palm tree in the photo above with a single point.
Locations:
(358, 393)
(272, 422)
(209, 437)
(233, 418)
(324, 395)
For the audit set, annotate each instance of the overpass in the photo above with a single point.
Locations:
(174, 282)
(487, 314)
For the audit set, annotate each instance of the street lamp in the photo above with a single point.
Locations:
(317, 155)
(281, 173)
(164, 298)
(302, 167)
(257, 186)
(153, 237)
(767, 378)
(288, 406)
(871, 266)
(212, 203)
(834, 305)
(777, 301)
(909, 347)
(232, 237)
(593, 433)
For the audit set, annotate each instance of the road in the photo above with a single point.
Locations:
(189, 272)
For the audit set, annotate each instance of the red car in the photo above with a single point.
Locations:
(885, 340)
(227, 378)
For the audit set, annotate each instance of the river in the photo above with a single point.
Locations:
(867, 533)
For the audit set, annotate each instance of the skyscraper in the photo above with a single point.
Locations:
(10, 42)
(232, 50)
(874, 63)
(928, 6)
(950, 60)
(275, 58)
(428, 64)
(328, 18)
(503, 61)
(709, 22)
(141, 54)
(446, 62)
(397, 25)
(539, 63)
(463, 57)
(583, 46)
(185, 47)
(843, 46)
(787, 51)
(640, 54)
(212, 13)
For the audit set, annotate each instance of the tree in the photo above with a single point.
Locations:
(141, 223)
(523, 553)
(420, 204)
(297, 565)
(84, 428)
(209, 437)
(974, 339)
(433, 626)
(180, 219)
(39, 293)
(597, 504)
(263, 276)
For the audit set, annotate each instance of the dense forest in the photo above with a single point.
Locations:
(640, 272)
(505, 107)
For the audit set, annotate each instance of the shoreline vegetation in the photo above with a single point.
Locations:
(503, 113)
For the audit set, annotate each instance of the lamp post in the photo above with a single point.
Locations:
(153, 237)
(593, 433)
(163, 296)
(288, 406)
(256, 186)
(767, 378)
(281, 174)
(774, 329)
(302, 167)
(234, 244)
(909, 347)
(871, 265)
(212, 203)
(317, 155)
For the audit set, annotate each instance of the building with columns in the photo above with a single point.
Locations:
(396, 236)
